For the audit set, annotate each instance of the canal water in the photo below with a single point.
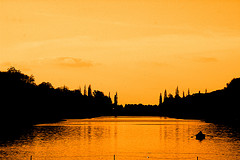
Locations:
(124, 138)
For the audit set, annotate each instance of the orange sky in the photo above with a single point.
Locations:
(138, 48)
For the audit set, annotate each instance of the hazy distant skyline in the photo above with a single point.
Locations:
(137, 48)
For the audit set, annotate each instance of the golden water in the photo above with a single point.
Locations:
(128, 138)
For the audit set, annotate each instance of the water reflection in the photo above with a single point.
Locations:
(129, 138)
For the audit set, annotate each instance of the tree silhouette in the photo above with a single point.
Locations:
(170, 96)
(28, 103)
(13, 70)
(18, 77)
(165, 95)
(188, 92)
(85, 91)
(177, 93)
(160, 99)
(43, 103)
(116, 99)
(46, 85)
(80, 90)
(89, 91)
(218, 106)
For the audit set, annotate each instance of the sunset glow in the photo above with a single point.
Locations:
(137, 48)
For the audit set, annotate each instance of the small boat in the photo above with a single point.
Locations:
(200, 136)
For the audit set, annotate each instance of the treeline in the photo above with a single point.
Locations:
(217, 106)
(23, 102)
(26, 103)
(141, 110)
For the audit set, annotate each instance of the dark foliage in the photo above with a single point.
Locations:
(141, 110)
(218, 106)
(25, 103)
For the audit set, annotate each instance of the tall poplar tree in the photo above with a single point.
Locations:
(116, 99)
(85, 90)
(165, 95)
(89, 91)
(177, 93)
(160, 99)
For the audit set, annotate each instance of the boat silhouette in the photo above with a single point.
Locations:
(200, 136)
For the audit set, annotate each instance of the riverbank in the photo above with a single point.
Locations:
(233, 123)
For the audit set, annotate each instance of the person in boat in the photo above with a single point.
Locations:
(200, 136)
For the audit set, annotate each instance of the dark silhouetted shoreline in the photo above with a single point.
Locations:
(219, 106)
(24, 103)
